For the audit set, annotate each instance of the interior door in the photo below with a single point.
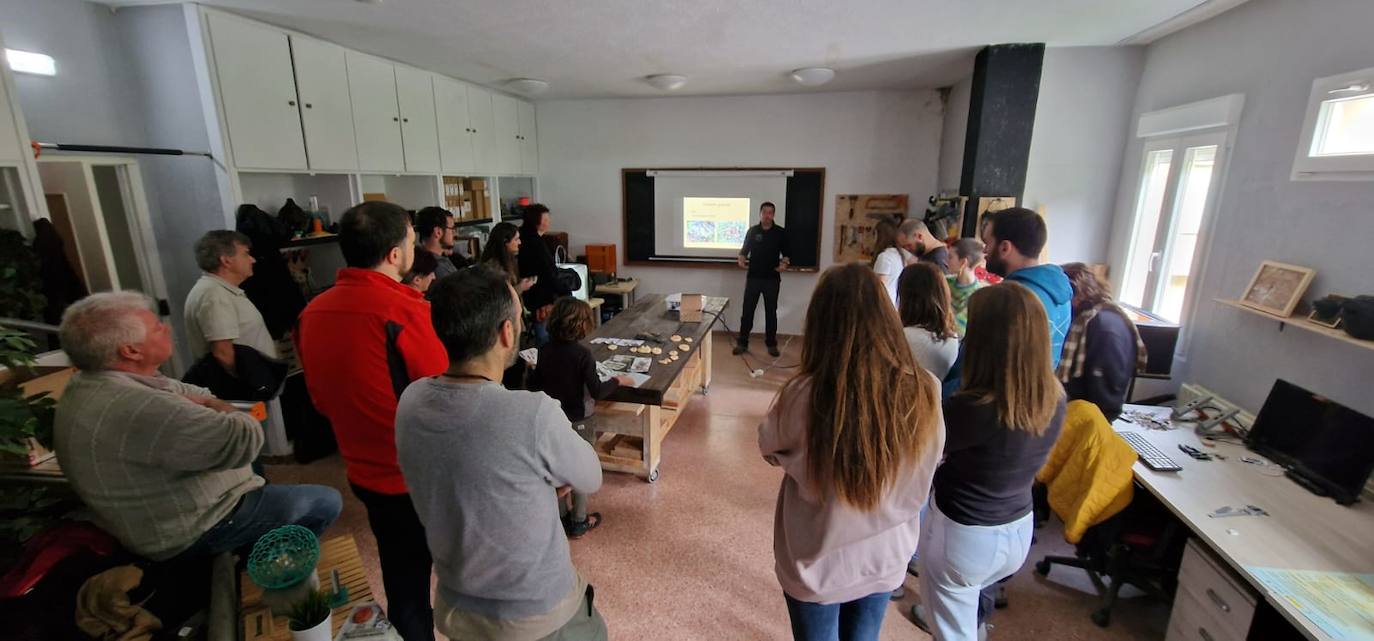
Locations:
(529, 147)
(454, 126)
(483, 130)
(376, 115)
(75, 183)
(507, 134)
(326, 108)
(258, 91)
(415, 93)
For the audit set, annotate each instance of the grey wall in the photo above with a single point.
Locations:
(1270, 50)
(954, 129)
(1082, 123)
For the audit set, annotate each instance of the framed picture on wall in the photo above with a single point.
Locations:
(1277, 288)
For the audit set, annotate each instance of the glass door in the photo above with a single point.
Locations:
(1173, 200)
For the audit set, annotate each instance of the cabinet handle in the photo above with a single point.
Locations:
(1206, 636)
(395, 119)
(405, 120)
(1216, 599)
(309, 106)
(291, 102)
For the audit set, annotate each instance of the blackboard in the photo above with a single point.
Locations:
(805, 204)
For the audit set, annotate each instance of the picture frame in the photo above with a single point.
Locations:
(1277, 287)
(1329, 323)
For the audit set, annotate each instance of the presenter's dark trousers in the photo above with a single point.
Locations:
(405, 561)
(753, 289)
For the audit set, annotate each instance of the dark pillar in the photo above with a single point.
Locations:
(1006, 87)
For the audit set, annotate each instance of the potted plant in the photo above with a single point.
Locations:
(309, 619)
(25, 419)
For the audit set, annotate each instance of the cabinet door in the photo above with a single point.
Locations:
(415, 93)
(507, 134)
(256, 87)
(326, 108)
(454, 126)
(529, 147)
(483, 121)
(376, 116)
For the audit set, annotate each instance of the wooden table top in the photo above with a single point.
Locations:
(650, 315)
(617, 287)
(336, 553)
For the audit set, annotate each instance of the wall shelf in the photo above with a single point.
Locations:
(1300, 323)
(310, 240)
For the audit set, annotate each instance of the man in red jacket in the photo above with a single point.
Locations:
(361, 343)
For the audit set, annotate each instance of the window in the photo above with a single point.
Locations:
(1338, 133)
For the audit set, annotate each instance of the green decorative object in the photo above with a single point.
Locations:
(312, 610)
(284, 557)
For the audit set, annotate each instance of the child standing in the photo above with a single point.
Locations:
(964, 264)
(566, 371)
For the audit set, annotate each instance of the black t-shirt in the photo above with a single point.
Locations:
(988, 470)
(939, 256)
(567, 373)
(764, 249)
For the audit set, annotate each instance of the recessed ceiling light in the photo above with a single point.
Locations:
(528, 86)
(813, 76)
(666, 81)
(30, 62)
(370, 1)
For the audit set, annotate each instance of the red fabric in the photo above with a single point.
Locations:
(341, 341)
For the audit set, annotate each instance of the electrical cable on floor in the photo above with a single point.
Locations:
(755, 372)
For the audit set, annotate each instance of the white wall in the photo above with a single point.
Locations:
(868, 142)
(1082, 122)
(1270, 50)
(952, 137)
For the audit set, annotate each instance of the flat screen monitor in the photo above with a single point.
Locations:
(1327, 447)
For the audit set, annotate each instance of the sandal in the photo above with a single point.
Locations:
(577, 530)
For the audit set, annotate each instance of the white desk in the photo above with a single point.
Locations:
(1302, 532)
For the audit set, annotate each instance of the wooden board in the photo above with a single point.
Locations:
(651, 315)
(336, 553)
(855, 217)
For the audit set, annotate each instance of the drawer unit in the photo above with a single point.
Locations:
(601, 258)
(1211, 604)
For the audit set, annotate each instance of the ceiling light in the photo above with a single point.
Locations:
(813, 76)
(370, 1)
(528, 86)
(666, 81)
(30, 62)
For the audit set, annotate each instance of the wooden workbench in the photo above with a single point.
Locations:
(336, 553)
(633, 421)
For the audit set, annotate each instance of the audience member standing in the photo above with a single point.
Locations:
(928, 321)
(502, 252)
(486, 467)
(1103, 350)
(766, 255)
(218, 313)
(928, 246)
(890, 256)
(964, 262)
(858, 433)
(163, 465)
(1014, 239)
(537, 262)
(435, 228)
(1001, 425)
(361, 342)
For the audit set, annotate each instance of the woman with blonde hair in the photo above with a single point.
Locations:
(1002, 423)
(857, 432)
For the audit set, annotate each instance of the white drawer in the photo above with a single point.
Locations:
(1215, 591)
(1193, 620)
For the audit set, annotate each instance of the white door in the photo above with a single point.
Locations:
(415, 93)
(529, 147)
(1175, 194)
(376, 116)
(74, 184)
(256, 86)
(507, 134)
(326, 108)
(483, 122)
(454, 126)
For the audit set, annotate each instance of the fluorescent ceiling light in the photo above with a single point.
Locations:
(666, 81)
(528, 86)
(30, 62)
(813, 76)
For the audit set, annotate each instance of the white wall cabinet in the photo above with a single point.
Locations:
(529, 148)
(326, 107)
(483, 120)
(456, 140)
(376, 114)
(507, 134)
(419, 135)
(258, 92)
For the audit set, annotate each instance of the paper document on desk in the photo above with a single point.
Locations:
(1340, 603)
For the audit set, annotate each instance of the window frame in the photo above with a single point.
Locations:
(1352, 167)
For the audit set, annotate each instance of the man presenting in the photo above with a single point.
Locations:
(765, 256)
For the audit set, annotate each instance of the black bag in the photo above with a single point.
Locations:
(1357, 316)
(568, 280)
(295, 218)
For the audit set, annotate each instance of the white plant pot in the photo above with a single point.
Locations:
(322, 632)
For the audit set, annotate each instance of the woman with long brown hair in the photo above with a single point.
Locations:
(890, 255)
(1002, 424)
(923, 304)
(858, 432)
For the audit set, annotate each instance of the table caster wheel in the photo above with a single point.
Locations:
(705, 390)
(653, 476)
(1042, 568)
(1102, 618)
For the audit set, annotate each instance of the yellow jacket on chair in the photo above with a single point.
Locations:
(1088, 473)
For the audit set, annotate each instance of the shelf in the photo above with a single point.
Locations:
(470, 223)
(1300, 323)
(313, 240)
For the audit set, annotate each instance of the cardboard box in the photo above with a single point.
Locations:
(690, 309)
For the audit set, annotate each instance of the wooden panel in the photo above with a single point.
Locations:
(337, 553)
(651, 315)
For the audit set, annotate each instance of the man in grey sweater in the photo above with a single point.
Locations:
(163, 465)
(485, 466)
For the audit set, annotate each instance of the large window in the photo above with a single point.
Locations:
(1338, 134)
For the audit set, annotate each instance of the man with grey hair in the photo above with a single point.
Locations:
(163, 465)
(218, 313)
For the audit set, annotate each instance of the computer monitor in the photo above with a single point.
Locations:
(1327, 447)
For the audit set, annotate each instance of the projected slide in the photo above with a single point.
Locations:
(714, 223)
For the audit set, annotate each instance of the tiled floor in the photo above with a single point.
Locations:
(690, 557)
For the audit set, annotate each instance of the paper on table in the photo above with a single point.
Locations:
(639, 379)
(1340, 603)
(530, 355)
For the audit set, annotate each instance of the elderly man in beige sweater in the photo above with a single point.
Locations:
(165, 466)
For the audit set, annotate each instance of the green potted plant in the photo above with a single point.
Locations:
(25, 420)
(309, 619)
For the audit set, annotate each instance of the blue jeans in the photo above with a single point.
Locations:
(857, 620)
(313, 507)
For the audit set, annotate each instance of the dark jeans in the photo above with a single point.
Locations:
(405, 561)
(753, 289)
(857, 620)
(313, 507)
